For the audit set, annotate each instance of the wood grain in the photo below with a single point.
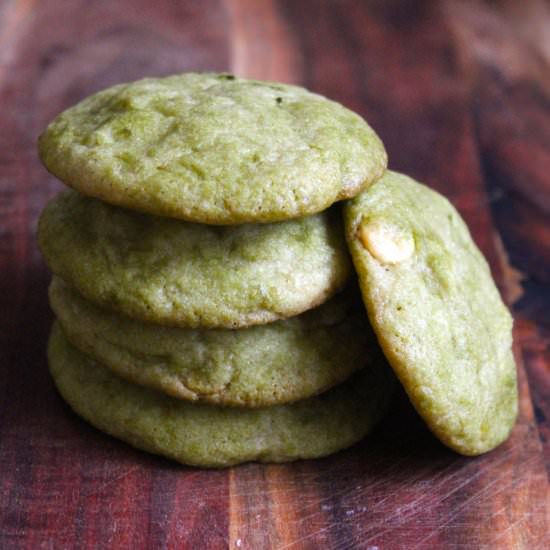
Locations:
(459, 92)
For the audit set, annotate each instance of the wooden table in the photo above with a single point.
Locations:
(459, 92)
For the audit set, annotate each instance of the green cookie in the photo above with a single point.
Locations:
(213, 148)
(436, 311)
(251, 367)
(176, 273)
(209, 436)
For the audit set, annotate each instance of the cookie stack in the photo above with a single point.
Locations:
(202, 278)
(199, 269)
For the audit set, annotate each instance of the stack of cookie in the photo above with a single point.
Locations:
(199, 273)
(199, 269)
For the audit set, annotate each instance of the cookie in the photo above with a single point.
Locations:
(213, 148)
(181, 274)
(252, 367)
(436, 311)
(209, 436)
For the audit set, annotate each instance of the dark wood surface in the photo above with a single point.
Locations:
(460, 93)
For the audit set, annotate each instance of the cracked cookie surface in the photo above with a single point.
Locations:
(213, 148)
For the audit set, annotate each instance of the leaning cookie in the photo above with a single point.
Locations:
(436, 311)
(213, 148)
(258, 366)
(209, 436)
(181, 274)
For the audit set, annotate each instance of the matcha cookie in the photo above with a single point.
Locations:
(252, 367)
(213, 148)
(205, 435)
(436, 311)
(177, 273)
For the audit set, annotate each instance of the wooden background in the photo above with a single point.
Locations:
(460, 93)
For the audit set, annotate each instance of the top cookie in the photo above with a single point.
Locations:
(213, 148)
(436, 311)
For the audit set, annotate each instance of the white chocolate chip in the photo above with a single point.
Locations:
(389, 244)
